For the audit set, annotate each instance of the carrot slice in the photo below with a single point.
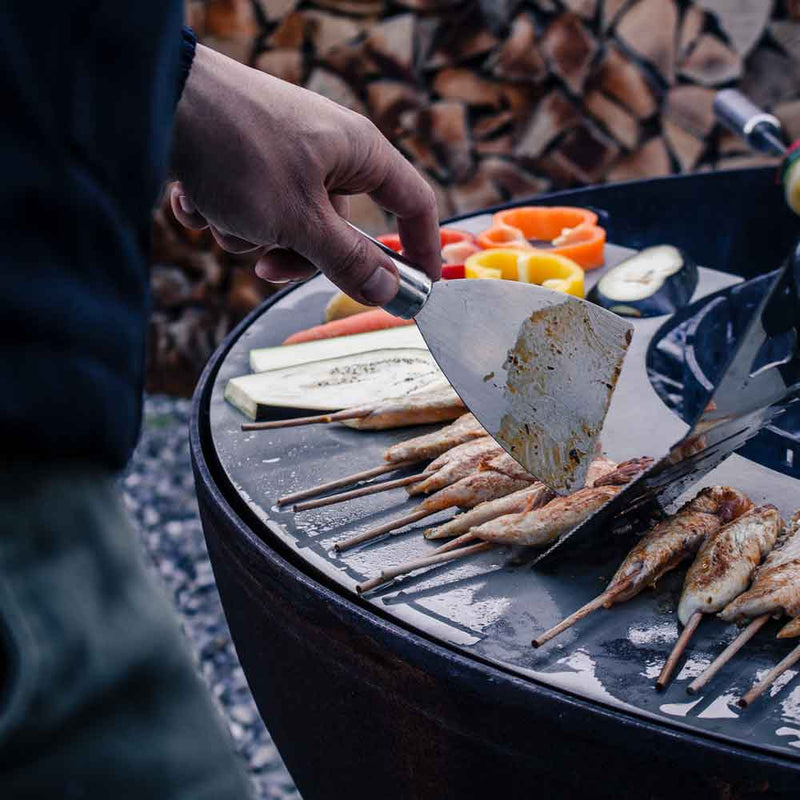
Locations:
(375, 320)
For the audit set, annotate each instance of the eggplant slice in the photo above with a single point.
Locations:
(657, 280)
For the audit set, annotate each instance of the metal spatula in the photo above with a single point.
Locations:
(535, 366)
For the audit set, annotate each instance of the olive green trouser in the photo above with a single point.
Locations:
(97, 697)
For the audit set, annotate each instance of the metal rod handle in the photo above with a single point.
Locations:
(760, 130)
(415, 285)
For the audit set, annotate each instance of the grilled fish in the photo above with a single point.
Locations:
(431, 445)
(677, 538)
(533, 496)
(542, 526)
(776, 585)
(727, 560)
(438, 405)
(527, 499)
(456, 464)
(790, 629)
(477, 488)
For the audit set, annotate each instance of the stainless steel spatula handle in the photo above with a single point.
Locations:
(415, 285)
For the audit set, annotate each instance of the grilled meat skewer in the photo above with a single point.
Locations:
(776, 585)
(664, 547)
(432, 445)
(542, 526)
(721, 571)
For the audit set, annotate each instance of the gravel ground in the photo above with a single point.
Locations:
(159, 493)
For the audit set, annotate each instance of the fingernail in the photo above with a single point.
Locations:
(186, 204)
(381, 286)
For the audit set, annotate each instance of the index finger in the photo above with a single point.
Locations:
(404, 192)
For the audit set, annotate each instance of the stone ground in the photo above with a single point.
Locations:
(159, 493)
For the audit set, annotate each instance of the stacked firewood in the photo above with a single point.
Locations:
(491, 100)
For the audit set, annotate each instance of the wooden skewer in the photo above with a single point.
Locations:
(454, 544)
(293, 422)
(372, 488)
(348, 480)
(678, 650)
(770, 678)
(584, 611)
(373, 533)
(427, 561)
(727, 654)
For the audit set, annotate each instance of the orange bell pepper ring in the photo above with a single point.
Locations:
(573, 232)
(543, 267)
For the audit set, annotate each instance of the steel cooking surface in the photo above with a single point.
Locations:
(492, 605)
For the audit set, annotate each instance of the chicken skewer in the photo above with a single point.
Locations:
(668, 544)
(625, 473)
(775, 589)
(421, 448)
(448, 468)
(485, 484)
(721, 571)
(433, 405)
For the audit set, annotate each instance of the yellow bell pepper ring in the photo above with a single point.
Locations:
(528, 266)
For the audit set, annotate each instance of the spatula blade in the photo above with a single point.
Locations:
(535, 366)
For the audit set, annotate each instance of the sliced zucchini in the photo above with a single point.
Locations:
(335, 383)
(657, 280)
(288, 355)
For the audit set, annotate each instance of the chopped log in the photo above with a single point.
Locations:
(787, 34)
(519, 59)
(334, 88)
(622, 125)
(570, 48)
(239, 48)
(793, 8)
(284, 64)
(611, 12)
(358, 8)
(649, 30)
(466, 86)
(686, 148)
(619, 77)
(231, 19)
(352, 61)
(492, 124)
(747, 161)
(447, 129)
(246, 292)
(500, 145)
(512, 181)
(789, 115)
(730, 143)
(291, 33)
(583, 8)
(391, 45)
(498, 13)
(275, 10)
(478, 192)
(692, 25)
(711, 63)
(169, 286)
(388, 100)
(649, 161)
(326, 31)
(691, 107)
(742, 21)
(585, 153)
(771, 78)
(195, 15)
(552, 116)
(420, 153)
(459, 39)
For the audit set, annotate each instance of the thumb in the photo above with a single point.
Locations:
(352, 262)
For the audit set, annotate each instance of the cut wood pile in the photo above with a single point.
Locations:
(491, 100)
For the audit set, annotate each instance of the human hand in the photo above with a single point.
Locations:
(267, 166)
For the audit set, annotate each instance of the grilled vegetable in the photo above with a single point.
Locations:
(374, 320)
(341, 306)
(289, 355)
(336, 383)
(657, 280)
